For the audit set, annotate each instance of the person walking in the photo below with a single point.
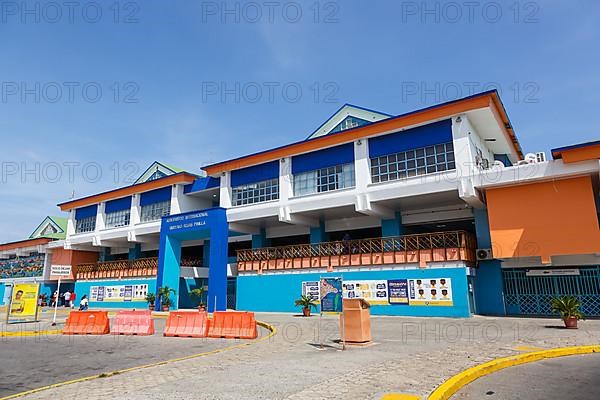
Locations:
(67, 298)
(73, 300)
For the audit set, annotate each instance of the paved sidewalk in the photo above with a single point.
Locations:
(410, 355)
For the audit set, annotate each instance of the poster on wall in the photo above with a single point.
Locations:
(23, 302)
(331, 295)
(430, 292)
(311, 289)
(373, 291)
(398, 291)
(122, 293)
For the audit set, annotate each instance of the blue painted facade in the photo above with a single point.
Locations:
(84, 287)
(2, 290)
(277, 292)
(489, 286)
(204, 224)
(422, 136)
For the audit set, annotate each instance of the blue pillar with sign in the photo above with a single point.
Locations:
(203, 224)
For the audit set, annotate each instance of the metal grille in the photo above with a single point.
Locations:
(531, 295)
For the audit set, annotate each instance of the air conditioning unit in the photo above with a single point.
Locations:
(484, 254)
(540, 156)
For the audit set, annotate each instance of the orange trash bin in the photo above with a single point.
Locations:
(355, 321)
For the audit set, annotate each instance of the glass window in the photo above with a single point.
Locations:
(414, 162)
(325, 179)
(87, 224)
(154, 212)
(255, 192)
(118, 218)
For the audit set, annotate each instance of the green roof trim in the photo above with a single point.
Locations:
(58, 222)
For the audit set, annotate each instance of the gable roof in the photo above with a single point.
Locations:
(345, 111)
(157, 166)
(58, 223)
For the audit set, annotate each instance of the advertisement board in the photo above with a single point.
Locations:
(311, 288)
(373, 291)
(120, 293)
(331, 295)
(398, 291)
(430, 292)
(23, 301)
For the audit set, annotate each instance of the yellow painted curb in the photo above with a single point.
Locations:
(454, 384)
(272, 333)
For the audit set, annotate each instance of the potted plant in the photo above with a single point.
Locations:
(306, 302)
(197, 293)
(151, 298)
(165, 293)
(568, 308)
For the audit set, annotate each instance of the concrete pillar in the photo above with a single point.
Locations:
(392, 227)
(100, 217)
(176, 193)
(260, 240)
(136, 210)
(362, 170)
(135, 252)
(489, 285)
(318, 234)
(169, 265)
(286, 180)
(225, 190)
(104, 255)
(71, 223)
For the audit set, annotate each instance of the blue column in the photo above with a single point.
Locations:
(206, 253)
(392, 227)
(104, 254)
(169, 267)
(318, 234)
(260, 240)
(489, 287)
(135, 252)
(217, 270)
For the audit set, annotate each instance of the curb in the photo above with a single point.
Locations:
(272, 333)
(454, 384)
(31, 333)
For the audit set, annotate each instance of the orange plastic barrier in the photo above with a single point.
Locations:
(187, 324)
(233, 325)
(87, 323)
(133, 323)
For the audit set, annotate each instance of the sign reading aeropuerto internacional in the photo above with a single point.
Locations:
(209, 224)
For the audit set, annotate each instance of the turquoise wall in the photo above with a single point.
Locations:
(277, 292)
(83, 287)
(2, 293)
(185, 286)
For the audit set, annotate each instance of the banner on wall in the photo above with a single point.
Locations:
(119, 293)
(331, 295)
(398, 291)
(311, 288)
(430, 292)
(23, 301)
(373, 291)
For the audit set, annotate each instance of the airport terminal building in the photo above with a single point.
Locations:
(437, 212)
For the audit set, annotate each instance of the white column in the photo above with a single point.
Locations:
(225, 191)
(362, 171)
(100, 217)
(286, 180)
(136, 210)
(463, 153)
(71, 224)
(176, 194)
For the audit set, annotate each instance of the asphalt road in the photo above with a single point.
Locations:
(30, 362)
(572, 377)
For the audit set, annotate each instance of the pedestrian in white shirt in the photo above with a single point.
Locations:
(67, 299)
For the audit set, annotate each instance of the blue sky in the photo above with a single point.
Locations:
(162, 66)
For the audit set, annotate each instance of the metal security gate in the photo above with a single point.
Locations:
(531, 295)
(231, 293)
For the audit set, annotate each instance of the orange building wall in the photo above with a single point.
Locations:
(544, 219)
(73, 258)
